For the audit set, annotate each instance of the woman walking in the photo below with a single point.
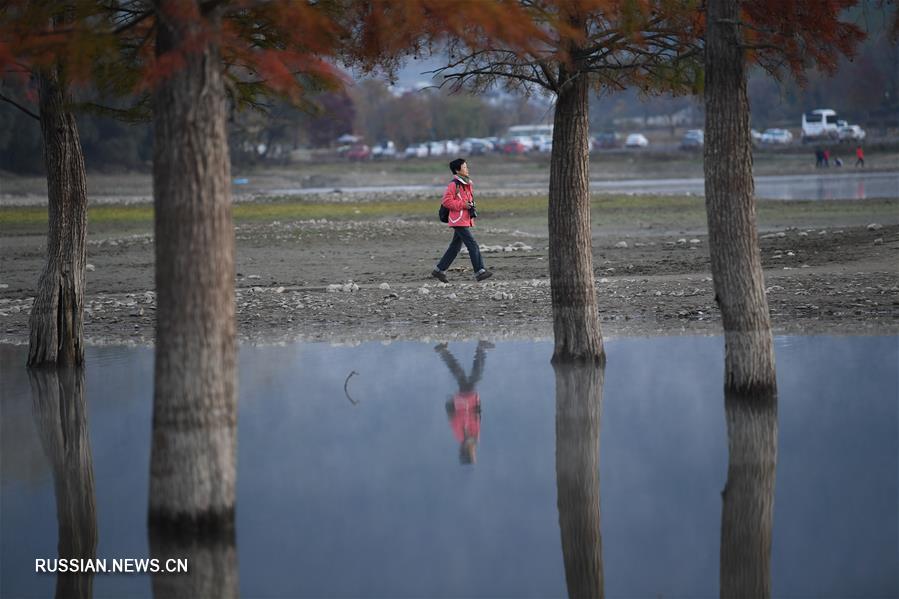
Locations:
(459, 200)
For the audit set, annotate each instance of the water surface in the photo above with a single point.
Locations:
(362, 487)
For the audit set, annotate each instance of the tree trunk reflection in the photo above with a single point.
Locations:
(578, 406)
(748, 497)
(211, 560)
(60, 415)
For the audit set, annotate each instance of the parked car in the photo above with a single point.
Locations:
(608, 139)
(514, 146)
(477, 147)
(636, 140)
(851, 133)
(359, 152)
(525, 141)
(385, 149)
(542, 141)
(416, 151)
(756, 136)
(494, 142)
(444, 146)
(820, 124)
(436, 148)
(778, 137)
(693, 139)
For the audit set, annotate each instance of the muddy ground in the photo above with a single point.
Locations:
(351, 280)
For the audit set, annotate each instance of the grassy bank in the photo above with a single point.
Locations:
(607, 210)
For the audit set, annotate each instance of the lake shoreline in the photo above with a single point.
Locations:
(350, 280)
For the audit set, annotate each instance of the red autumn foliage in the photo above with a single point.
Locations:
(286, 47)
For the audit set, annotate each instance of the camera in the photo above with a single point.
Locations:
(472, 211)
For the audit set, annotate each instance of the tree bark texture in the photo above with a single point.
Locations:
(748, 499)
(60, 414)
(730, 206)
(575, 320)
(193, 459)
(57, 315)
(578, 407)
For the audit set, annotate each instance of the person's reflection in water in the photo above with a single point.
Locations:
(60, 415)
(211, 562)
(748, 497)
(464, 409)
(578, 408)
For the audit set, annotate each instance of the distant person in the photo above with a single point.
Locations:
(819, 157)
(464, 409)
(459, 199)
(827, 157)
(859, 157)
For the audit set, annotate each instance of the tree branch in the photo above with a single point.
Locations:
(126, 26)
(550, 78)
(485, 72)
(20, 107)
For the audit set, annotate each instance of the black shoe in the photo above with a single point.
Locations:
(439, 275)
(484, 274)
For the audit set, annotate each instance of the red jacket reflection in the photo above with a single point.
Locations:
(465, 419)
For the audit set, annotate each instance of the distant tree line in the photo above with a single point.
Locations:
(369, 109)
(108, 144)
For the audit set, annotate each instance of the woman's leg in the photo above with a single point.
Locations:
(451, 252)
(474, 251)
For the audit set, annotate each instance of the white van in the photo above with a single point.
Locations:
(820, 124)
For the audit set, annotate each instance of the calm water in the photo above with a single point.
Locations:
(850, 184)
(371, 497)
(837, 184)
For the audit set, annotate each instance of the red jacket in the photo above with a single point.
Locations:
(456, 198)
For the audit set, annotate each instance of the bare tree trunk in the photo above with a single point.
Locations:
(60, 414)
(578, 407)
(192, 466)
(575, 321)
(748, 499)
(57, 315)
(730, 205)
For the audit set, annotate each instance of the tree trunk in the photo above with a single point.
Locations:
(60, 415)
(578, 407)
(192, 466)
(730, 206)
(748, 499)
(57, 315)
(575, 320)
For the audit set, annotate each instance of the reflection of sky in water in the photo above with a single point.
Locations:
(343, 500)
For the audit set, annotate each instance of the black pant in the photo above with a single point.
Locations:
(462, 235)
